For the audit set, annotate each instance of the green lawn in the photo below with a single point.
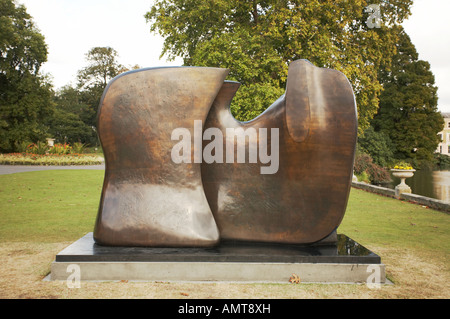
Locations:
(49, 206)
(384, 221)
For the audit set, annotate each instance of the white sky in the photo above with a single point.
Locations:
(72, 27)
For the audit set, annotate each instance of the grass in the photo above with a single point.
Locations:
(43, 212)
(384, 221)
(48, 206)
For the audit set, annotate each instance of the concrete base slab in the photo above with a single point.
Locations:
(246, 263)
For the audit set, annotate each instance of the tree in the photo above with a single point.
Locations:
(68, 125)
(76, 107)
(92, 80)
(25, 95)
(408, 105)
(102, 67)
(378, 145)
(257, 40)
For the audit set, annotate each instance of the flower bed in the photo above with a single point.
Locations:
(49, 159)
(403, 166)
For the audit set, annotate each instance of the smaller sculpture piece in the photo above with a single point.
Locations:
(182, 172)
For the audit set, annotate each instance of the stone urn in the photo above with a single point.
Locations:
(51, 142)
(402, 174)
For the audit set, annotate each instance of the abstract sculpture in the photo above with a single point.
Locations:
(283, 177)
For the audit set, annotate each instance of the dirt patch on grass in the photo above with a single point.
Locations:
(414, 275)
(25, 265)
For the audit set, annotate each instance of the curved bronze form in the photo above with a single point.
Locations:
(147, 199)
(305, 200)
(298, 197)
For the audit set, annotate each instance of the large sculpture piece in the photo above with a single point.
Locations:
(147, 199)
(298, 197)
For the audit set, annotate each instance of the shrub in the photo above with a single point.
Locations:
(61, 149)
(366, 168)
(78, 148)
(377, 174)
(442, 161)
(378, 145)
(39, 148)
(363, 177)
(362, 162)
(48, 159)
(23, 146)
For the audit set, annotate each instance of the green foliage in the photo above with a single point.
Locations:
(78, 148)
(363, 177)
(39, 148)
(362, 162)
(102, 67)
(25, 95)
(256, 41)
(377, 174)
(378, 145)
(61, 149)
(22, 147)
(83, 101)
(251, 100)
(74, 101)
(366, 169)
(67, 127)
(74, 120)
(442, 161)
(25, 107)
(60, 154)
(408, 106)
(22, 46)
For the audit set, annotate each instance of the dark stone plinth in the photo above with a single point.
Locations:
(344, 251)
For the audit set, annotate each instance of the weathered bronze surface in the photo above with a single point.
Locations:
(148, 200)
(306, 199)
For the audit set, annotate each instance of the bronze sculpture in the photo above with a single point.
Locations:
(298, 197)
(147, 199)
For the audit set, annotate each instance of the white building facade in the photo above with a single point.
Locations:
(444, 145)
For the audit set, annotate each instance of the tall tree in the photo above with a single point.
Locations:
(93, 79)
(102, 67)
(25, 95)
(257, 40)
(408, 105)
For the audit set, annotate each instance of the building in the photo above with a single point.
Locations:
(444, 146)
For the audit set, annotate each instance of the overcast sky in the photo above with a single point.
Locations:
(72, 27)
